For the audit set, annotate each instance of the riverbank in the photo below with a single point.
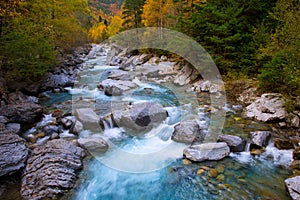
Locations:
(117, 83)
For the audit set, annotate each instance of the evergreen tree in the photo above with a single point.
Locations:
(132, 11)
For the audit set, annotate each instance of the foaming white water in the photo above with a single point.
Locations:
(279, 157)
(272, 155)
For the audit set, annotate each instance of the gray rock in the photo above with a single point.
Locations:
(77, 127)
(207, 151)
(235, 143)
(141, 59)
(186, 132)
(3, 120)
(128, 65)
(51, 170)
(52, 81)
(211, 86)
(67, 122)
(14, 127)
(294, 120)
(260, 138)
(21, 109)
(293, 187)
(112, 55)
(13, 153)
(269, 107)
(88, 118)
(186, 75)
(116, 87)
(139, 116)
(120, 75)
(94, 145)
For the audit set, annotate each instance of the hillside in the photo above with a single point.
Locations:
(109, 7)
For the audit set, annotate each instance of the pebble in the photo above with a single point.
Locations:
(200, 171)
(186, 162)
(213, 173)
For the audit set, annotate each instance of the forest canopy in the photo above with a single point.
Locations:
(246, 38)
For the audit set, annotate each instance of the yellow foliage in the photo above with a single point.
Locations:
(115, 25)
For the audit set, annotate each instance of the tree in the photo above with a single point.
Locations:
(225, 29)
(281, 72)
(132, 11)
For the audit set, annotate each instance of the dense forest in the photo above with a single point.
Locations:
(247, 38)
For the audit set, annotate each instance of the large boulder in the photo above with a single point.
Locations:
(269, 107)
(235, 143)
(116, 87)
(120, 75)
(293, 187)
(52, 81)
(139, 117)
(112, 55)
(186, 75)
(207, 151)
(93, 145)
(21, 109)
(259, 138)
(51, 170)
(211, 86)
(186, 132)
(13, 153)
(88, 118)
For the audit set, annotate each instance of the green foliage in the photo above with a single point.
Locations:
(280, 50)
(31, 36)
(225, 30)
(132, 11)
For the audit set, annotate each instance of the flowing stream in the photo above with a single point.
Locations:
(151, 167)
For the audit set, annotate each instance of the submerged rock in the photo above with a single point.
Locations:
(51, 170)
(235, 143)
(269, 107)
(13, 153)
(186, 132)
(293, 187)
(139, 116)
(207, 151)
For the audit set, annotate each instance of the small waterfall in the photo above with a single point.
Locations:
(107, 122)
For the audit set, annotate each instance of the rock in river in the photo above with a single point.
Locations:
(207, 151)
(13, 152)
(93, 145)
(186, 132)
(269, 107)
(88, 118)
(51, 170)
(235, 143)
(140, 116)
(293, 187)
(260, 138)
(116, 87)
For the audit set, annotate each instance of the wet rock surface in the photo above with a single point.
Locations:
(235, 143)
(13, 151)
(51, 170)
(207, 151)
(293, 187)
(140, 116)
(186, 132)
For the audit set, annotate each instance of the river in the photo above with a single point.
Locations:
(116, 174)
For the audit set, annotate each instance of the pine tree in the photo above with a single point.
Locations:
(132, 11)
